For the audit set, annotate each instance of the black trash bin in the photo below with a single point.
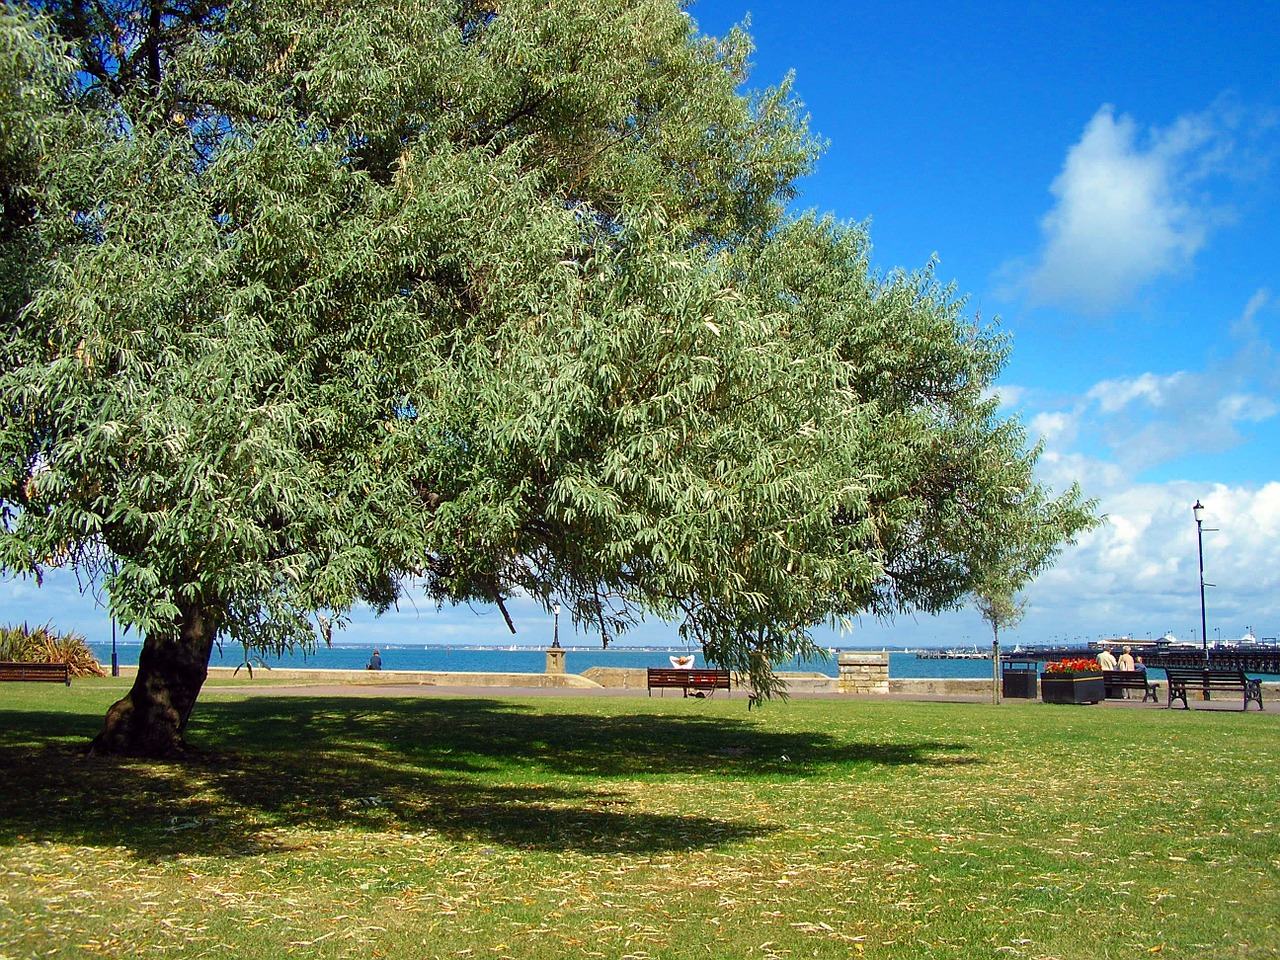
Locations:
(1018, 679)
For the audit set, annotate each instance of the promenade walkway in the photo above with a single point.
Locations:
(372, 690)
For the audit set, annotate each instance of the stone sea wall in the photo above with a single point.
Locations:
(427, 678)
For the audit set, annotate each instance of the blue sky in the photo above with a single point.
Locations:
(1103, 178)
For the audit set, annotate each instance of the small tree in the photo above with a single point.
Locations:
(1001, 609)
(1021, 547)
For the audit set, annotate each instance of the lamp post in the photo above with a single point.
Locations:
(1198, 512)
(555, 636)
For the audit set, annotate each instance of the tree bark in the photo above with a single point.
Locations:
(151, 719)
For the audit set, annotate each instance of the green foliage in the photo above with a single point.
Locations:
(495, 298)
(23, 644)
(1000, 609)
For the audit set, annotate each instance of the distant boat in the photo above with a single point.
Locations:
(955, 653)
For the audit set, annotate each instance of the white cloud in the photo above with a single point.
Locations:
(1128, 209)
(1059, 469)
(1009, 395)
(1246, 326)
(1055, 427)
(1150, 420)
(1192, 414)
(1256, 358)
(1246, 408)
(1143, 565)
(1114, 395)
(1139, 574)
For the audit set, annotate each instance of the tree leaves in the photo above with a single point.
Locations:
(503, 300)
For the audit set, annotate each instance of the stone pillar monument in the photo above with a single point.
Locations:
(555, 660)
(863, 672)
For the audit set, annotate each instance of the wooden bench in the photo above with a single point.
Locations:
(700, 683)
(48, 672)
(1116, 682)
(1182, 679)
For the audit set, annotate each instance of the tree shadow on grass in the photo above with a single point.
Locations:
(494, 771)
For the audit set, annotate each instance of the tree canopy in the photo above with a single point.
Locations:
(308, 300)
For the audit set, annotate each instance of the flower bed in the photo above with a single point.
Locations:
(1077, 680)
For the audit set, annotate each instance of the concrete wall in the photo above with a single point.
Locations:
(863, 672)
(618, 678)
(810, 683)
(930, 687)
(394, 677)
(634, 678)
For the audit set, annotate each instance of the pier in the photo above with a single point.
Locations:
(1252, 659)
(954, 654)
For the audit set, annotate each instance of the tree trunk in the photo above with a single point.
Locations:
(995, 666)
(152, 717)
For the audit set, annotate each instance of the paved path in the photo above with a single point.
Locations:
(441, 690)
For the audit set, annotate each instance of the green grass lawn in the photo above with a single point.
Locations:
(641, 828)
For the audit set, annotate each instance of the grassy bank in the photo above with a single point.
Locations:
(663, 828)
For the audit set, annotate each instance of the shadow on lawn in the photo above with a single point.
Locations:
(487, 770)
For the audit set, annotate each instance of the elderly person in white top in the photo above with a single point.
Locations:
(1125, 663)
(1107, 659)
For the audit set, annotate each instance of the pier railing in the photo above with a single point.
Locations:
(1251, 659)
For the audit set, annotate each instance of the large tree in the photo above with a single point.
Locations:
(318, 298)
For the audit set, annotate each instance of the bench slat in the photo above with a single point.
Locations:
(1130, 680)
(1208, 680)
(677, 678)
(35, 672)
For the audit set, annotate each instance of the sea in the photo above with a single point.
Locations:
(527, 659)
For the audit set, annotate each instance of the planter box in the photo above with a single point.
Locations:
(1072, 687)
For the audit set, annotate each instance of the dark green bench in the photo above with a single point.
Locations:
(1182, 679)
(700, 683)
(46, 672)
(1116, 682)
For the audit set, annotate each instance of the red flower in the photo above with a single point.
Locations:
(1072, 665)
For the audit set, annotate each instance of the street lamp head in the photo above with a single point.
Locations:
(1198, 510)
(556, 609)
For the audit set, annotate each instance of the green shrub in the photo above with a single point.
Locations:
(23, 644)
